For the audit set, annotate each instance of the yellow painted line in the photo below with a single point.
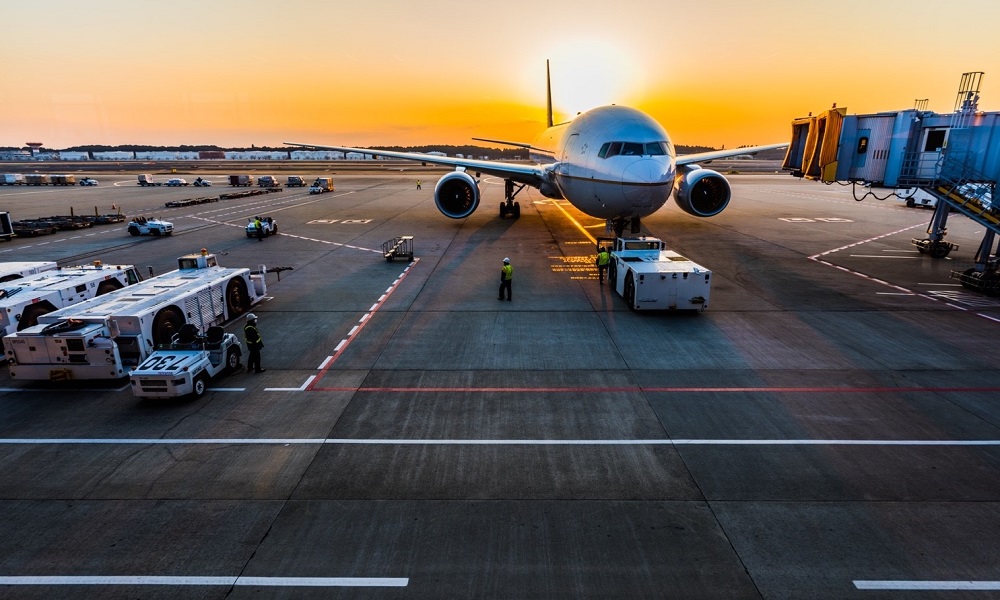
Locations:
(577, 223)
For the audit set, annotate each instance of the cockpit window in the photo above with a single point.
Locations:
(609, 149)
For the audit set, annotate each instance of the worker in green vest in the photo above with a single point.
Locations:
(506, 275)
(254, 344)
(603, 258)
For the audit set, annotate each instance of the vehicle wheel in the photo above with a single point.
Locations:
(517, 210)
(237, 299)
(108, 286)
(166, 323)
(274, 230)
(940, 250)
(155, 232)
(200, 385)
(910, 203)
(29, 317)
(630, 291)
(134, 231)
(232, 359)
(249, 236)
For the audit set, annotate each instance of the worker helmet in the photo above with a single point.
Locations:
(251, 317)
(506, 261)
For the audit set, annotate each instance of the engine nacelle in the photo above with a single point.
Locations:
(456, 195)
(702, 192)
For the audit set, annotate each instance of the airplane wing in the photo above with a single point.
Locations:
(717, 154)
(532, 175)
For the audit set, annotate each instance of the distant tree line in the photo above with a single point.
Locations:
(469, 150)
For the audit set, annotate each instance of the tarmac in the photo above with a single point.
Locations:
(827, 428)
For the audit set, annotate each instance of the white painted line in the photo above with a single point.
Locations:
(374, 307)
(325, 362)
(494, 442)
(301, 388)
(209, 581)
(364, 317)
(881, 256)
(862, 584)
(988, 317)
(339, 346)
(380, 298)
(351, 332)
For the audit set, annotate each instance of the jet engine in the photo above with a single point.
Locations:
(702, 192)
(456, 195)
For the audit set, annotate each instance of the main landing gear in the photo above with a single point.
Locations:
(509, 208)
(618, 224)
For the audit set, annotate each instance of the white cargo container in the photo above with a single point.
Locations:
(106, 337)
(11, 179)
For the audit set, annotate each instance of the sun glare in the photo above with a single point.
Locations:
(589, 73)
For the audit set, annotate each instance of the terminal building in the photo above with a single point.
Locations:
(954, 158)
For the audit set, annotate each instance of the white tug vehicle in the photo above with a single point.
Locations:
(650, 277)
(152, 226)
(185, 365)
(109, 336)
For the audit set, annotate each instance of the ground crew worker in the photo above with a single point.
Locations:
(418, 184)
(506, 274)
(254, 344)
(603, 258)
(260, 229)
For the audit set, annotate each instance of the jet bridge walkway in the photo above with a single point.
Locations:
(953, 157)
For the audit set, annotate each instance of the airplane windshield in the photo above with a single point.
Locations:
(609, 149)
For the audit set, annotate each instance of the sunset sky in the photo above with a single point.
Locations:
(395, 72)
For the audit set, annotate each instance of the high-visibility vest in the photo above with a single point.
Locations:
(603, 258)
(251, 334)
(508, 272)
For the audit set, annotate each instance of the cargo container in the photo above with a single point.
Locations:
(11, 179)
(36, 179)
(321, 185)
(63, 180)
(240, 180)
(147, 180)
(7, 231)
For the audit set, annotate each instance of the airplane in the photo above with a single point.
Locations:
(611, 162)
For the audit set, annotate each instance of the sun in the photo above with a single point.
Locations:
(589, 73)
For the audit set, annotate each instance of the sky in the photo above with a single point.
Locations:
(390, 72)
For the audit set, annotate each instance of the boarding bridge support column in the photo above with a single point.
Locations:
(983, 277)
(935, 245)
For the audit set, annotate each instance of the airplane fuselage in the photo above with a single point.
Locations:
(610, 162)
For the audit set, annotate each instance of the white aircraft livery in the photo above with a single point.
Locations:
(612, 162)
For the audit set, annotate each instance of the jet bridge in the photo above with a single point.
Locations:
(953, 157)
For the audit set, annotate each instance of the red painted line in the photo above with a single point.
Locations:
(668, 390)
(358, 328)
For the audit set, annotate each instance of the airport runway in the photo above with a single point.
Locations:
(827, 429)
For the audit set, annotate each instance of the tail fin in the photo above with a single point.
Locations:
(548, 93)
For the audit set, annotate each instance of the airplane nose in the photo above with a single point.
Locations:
(643, 171)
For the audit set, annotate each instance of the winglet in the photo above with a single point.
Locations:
(548, 93)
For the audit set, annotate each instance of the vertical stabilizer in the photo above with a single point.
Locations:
(548, 94)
